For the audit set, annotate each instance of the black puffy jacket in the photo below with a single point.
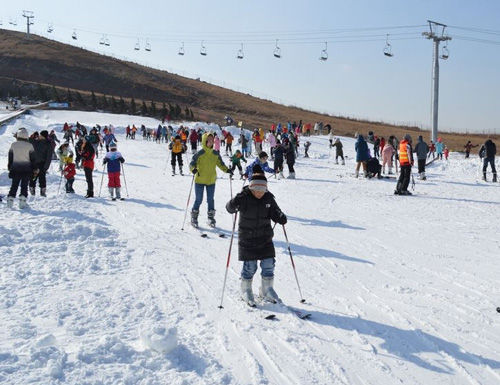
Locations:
(255, 233)
(488, 149)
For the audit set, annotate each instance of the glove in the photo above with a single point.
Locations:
(245, 176)
(282, 219)
(230, 172)
(105, 161)
(195, 171)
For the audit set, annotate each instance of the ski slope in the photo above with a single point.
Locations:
(401, 289)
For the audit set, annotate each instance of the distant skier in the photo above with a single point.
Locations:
(339, 152)
(177, 148)
(236, 160)
(262, 162)
(361, 148)
(406, 162)
(88, 155)
(256, 207)
(468, 147)
(421, 149)
(69, 173)
(487, 152)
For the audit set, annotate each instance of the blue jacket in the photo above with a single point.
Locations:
(361, 148)
(113, 160)
(265, 167)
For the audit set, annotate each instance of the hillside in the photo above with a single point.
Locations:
(47, 62)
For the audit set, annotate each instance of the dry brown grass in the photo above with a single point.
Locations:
(48, 62)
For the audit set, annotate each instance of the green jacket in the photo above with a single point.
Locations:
(205, 161)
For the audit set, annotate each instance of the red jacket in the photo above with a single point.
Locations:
(69, 171)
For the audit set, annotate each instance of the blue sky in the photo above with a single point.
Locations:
(356, 81)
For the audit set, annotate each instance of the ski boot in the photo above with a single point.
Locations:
(90, 194)
(484, 177)
(343, 162)
(291, 176)
(211, 218)
(194, 218)
(22, 203)
(180, 171)
(10, 202)
(356, 174)
(494, 177)
(267, 291)
(173, 171)
(32, 190)
(43, 192)
(118, 194)
(246, 292)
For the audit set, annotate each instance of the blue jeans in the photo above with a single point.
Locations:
(250, 268)
(198, 191)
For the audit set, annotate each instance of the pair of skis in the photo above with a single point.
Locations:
(204, 234)
(297, 312)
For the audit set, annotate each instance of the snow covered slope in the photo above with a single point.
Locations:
(401, 289)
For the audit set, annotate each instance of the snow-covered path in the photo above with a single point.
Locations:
(401, 289)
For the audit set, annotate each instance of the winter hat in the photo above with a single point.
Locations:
(22, 133)
(112, 144)
(257, 169)
(263, 154)
(258, 183)
(44, 133)
(408, 137)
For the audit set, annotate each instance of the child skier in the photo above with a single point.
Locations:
(236, 162)
(262, 162)
(339, 152)
(306, 149)
(256, 207)
(279, 156)
(69, 173)
(178, 148)
(113, 159)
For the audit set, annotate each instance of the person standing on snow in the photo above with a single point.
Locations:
(262, 162)
(405, 162)
(177, 148)
(439, 149)
(361, 148)
(114, 159)
(256, 207)
(339, 152)
(22, 166)
(487, 152)
(421, 149)
(468, 147)
(203, 166)
(88, 155)
(43, 157)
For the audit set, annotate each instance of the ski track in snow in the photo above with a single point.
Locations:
(401, 289)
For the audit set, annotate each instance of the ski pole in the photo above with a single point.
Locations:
(231, 185)
(102, 177)
(187, 204)
(166, 163)
(412, 182)
(228, 259)
(302, 300)
(125, 179)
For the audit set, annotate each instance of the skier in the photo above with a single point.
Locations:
(262, 162)
(406, 162)
(468, 147)
(229, 143)
(62, 153)
(88, 155)
(387, 154)
(290, 159)
(22, 167)
(236, 162)
(43, 157)
(361, 154)
(203, 166)
(279, 156)
(339, 152)
(177, 148)
(113, 159)
(256, 207)
(306, 149)
(487, 152)
(439, 149)
(69, 173)
(421, 149)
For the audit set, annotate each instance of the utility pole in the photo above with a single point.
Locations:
(437, 38)
(28, 15)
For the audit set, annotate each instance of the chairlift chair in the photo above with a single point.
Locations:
(101, 42)
(445, 53)
(203, 50)
(277, 51)
(106, 41)
(0, 21)
(388, 48)
(74, 36)
(50, 28)
(181, 50)
(147, 47)
(240, 53)
(137, 46)
(324, 53)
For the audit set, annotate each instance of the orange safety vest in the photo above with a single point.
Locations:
(404, 157)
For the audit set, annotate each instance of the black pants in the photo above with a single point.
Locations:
(491, 161)
(290, 167)
(404, 178)
(233, 167)
(278, 165)
(90, 181)
(69, 185)
(41, 177)
(22, 179)
(177, 157)
(421, 165)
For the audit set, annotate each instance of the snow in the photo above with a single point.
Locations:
(401, 289)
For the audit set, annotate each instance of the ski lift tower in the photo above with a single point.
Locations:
(437, 38)
(28, 15)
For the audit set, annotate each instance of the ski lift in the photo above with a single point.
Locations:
(147, 47)
(203, 50)
(101, 42)
(277, 51)
(137, 46)
(445, 53)
(106, 41)
(181, 50)
(1, 22)
(324, 53)
(13, 21)
(50, 28)
(240, 53)
(74, 36)
(388, 48)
